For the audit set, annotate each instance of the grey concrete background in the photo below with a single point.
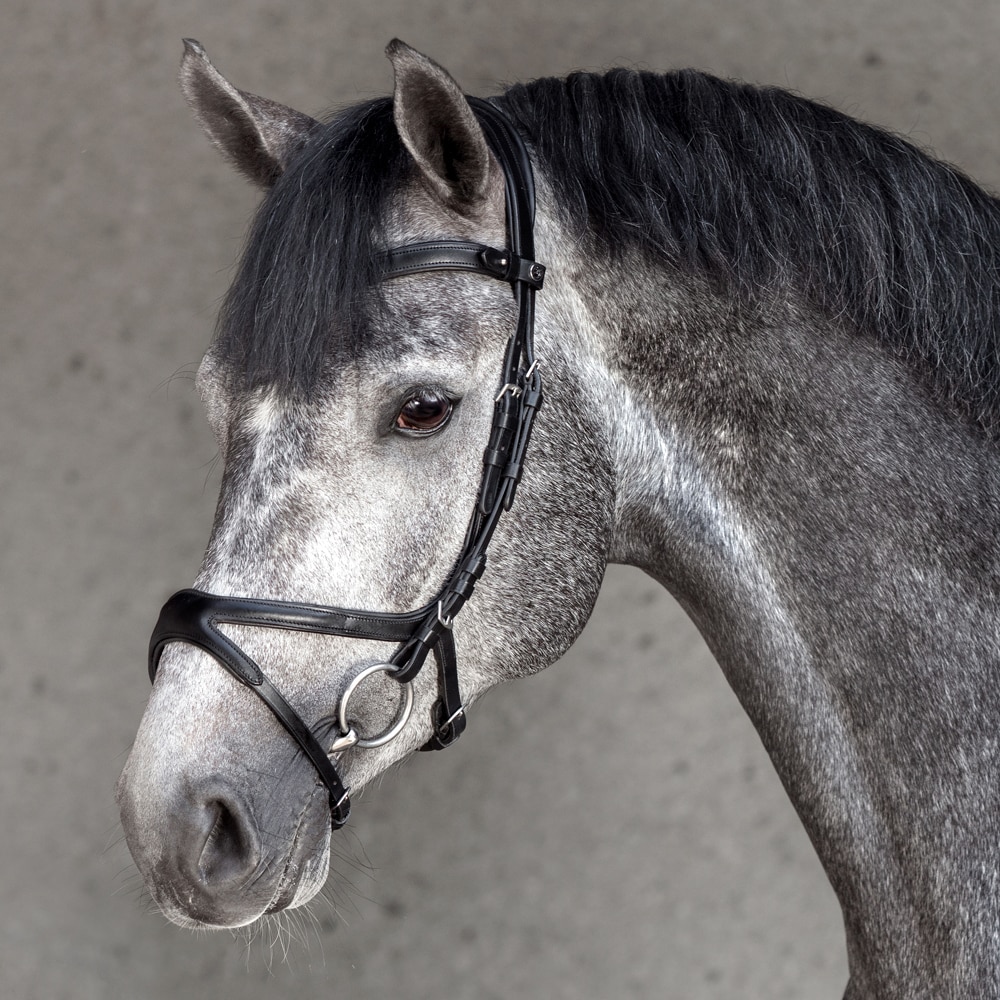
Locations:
(609, 829)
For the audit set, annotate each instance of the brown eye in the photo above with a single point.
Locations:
(424, 412)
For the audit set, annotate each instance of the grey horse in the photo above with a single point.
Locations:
(768, 335)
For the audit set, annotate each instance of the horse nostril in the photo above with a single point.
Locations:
(224, 846)
(211, 869)
(229, 851)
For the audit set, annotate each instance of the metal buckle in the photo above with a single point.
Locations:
(443, 728)
(350, 737)
(446, 622)
(512, 387)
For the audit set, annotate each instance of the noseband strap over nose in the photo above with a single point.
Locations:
(194, 617)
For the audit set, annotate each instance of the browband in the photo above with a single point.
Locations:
(441, 255)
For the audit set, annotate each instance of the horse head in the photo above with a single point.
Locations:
(352, 413)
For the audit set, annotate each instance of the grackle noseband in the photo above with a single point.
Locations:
(193, 616)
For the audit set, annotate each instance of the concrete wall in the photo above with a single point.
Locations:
(609, 829)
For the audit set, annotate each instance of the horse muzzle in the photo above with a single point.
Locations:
(222, 831)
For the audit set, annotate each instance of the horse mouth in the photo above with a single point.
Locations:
(304, 870)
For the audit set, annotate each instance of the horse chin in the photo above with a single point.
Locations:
(300, 880)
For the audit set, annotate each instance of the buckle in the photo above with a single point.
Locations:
(508, 266)
(447, 622)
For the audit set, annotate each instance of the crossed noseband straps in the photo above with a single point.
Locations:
(194, 617)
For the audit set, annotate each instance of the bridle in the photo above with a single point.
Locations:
(194, 617)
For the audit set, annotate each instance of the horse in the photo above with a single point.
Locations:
(768, 335)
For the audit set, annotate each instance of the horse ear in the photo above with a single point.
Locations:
(440, 130)
(259, 136)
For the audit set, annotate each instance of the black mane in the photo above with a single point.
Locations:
(762, 189)
(757, 188)
(301, 296)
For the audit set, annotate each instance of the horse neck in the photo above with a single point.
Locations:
(833, 535)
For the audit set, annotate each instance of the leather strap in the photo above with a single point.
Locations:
(191, 616)
(452, 255)
(449, 716)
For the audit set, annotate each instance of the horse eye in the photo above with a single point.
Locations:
(424, 412)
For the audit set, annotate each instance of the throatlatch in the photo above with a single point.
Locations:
(193, 616)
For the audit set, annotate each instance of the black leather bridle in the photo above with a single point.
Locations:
(193, 616)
